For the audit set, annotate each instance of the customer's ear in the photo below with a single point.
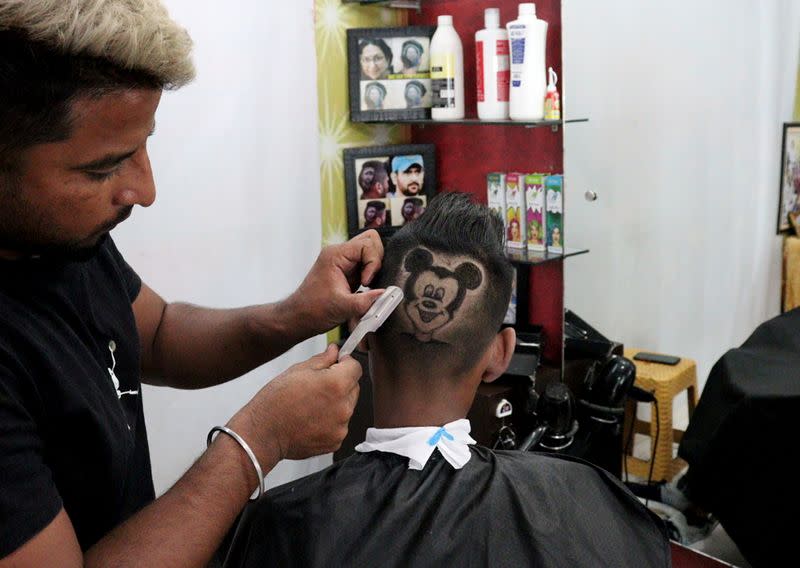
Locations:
(502, 348)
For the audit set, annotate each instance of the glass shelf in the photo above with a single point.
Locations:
(553, 124)
(407, 4)
(524, 256)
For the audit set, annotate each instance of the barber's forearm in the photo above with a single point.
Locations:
(185, 526)
(197, 347)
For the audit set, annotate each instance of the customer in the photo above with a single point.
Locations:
(420, 492)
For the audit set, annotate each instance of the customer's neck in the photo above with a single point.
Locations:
(431, 402)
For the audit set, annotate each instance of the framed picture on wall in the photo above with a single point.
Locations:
(389, 73)
(790, 176)
(388, 186)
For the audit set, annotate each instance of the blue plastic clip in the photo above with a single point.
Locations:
(438, 436)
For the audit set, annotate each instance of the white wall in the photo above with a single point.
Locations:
(237, 219)
(686, 101)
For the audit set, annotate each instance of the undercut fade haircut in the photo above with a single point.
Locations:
(451, 225)
(53, 51)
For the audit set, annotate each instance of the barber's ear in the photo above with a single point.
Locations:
(502, 348)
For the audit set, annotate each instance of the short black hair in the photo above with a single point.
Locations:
(452, 225)
(38, 86)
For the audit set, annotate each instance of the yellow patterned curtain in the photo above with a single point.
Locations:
(797, 96)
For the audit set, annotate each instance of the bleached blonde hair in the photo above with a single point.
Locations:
(136, 35)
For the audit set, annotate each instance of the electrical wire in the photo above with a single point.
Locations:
(627, 447)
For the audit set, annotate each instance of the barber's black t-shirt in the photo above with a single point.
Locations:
(71, 435)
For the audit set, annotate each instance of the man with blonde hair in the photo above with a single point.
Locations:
(80, 82)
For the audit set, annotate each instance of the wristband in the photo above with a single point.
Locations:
(247, 450)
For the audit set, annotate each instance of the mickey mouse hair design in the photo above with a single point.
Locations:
(433, 310)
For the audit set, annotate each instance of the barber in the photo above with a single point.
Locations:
(80, 83)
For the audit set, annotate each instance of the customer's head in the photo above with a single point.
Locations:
(451, 265)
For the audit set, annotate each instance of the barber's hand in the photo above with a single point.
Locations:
(326, 297)
(304, 411)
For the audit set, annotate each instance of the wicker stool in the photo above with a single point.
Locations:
(665, 382)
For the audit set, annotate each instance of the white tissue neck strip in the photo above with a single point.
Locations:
(418, 443)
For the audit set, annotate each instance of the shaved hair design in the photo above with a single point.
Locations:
(457, 280)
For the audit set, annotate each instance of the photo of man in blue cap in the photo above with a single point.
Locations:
(408, 174)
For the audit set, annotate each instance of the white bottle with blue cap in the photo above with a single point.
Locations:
(527, 36)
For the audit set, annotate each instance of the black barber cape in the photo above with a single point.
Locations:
(70, 437)
(743, 440)
(503, 508)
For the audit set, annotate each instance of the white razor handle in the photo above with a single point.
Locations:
(378, 313)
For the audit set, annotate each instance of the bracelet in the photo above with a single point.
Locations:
(246, 449)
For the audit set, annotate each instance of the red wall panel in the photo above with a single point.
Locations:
(465, 153)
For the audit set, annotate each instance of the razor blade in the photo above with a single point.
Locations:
(378, 313)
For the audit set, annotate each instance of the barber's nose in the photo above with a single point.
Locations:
(138, 186)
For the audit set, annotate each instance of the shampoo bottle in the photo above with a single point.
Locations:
(552, 102)
(447, 72)
(527, 36)
(492, 68)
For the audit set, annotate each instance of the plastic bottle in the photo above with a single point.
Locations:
(492, 68)
(552, 101)
(447, 72)
(527, 37)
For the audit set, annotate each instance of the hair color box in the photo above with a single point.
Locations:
(496, 194)
(515, 209)
(535, 218)
(554, 186)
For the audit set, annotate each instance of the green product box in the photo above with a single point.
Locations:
(554, 188)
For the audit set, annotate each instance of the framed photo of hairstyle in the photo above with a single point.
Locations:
(790, 176)
(388, 186)
(389, 73)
